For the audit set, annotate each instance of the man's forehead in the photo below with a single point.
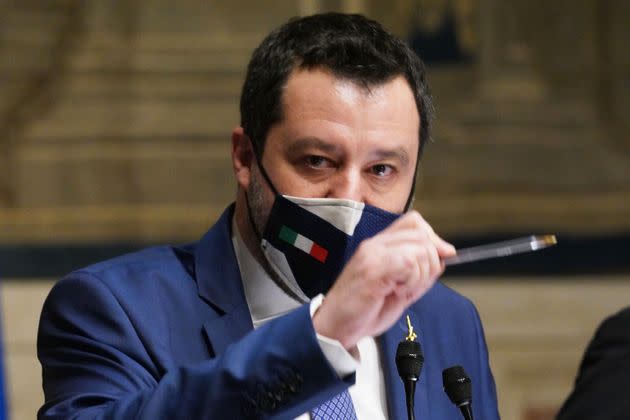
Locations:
(305, 86)
(365, 82)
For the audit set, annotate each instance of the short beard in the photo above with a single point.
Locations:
(258, 209)
(259, 212)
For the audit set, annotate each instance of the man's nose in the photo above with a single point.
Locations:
(347, 184)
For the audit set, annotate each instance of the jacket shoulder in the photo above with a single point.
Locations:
(443, 299)
(153, 259)
(136, 282)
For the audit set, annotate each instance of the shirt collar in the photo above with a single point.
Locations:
(265, 299)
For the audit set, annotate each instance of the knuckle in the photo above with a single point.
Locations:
(405, 262)
(423, 253)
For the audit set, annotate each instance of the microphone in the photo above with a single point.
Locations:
(458, 387)
(409, 361)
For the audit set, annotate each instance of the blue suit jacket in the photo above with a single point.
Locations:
(165, 333)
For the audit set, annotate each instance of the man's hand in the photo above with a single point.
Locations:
(388, 272)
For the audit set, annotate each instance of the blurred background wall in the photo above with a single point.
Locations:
(114, 133)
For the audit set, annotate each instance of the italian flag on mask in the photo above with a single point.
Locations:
(303, 243)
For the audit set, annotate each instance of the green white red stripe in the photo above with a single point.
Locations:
(303, 243)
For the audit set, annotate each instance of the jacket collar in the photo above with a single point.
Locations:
(219, 284)
(218, 278)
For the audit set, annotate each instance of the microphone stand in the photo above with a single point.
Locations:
(409, 361)
(410, 390)
(466, 410)
(458, 387)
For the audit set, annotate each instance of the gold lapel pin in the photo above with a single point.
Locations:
(411, 336)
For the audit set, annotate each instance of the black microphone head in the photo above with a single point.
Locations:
(457, 385)
(409, 360)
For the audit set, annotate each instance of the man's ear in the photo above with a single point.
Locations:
(242, 157)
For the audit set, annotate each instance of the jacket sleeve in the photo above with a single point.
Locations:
(96, 365)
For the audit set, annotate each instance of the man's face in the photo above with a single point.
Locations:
(340, 140)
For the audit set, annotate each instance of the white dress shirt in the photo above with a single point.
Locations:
(267, 301)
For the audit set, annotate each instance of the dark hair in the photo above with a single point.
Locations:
(350, 46)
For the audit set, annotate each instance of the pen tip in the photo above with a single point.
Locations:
(549, 239)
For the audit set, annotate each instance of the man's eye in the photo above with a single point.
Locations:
(382, 170)
(316, 161)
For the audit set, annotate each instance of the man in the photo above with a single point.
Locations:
(601, 386)
(334, 114)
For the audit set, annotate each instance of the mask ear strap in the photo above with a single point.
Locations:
(258, 157)
(257, 231)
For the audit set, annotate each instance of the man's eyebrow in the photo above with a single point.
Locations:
(311, 143)
(302, 144)
(398, 153)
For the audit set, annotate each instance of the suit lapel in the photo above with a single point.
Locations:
(219, 284)
(224, 330)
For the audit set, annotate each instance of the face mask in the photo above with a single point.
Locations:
(308, 241)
